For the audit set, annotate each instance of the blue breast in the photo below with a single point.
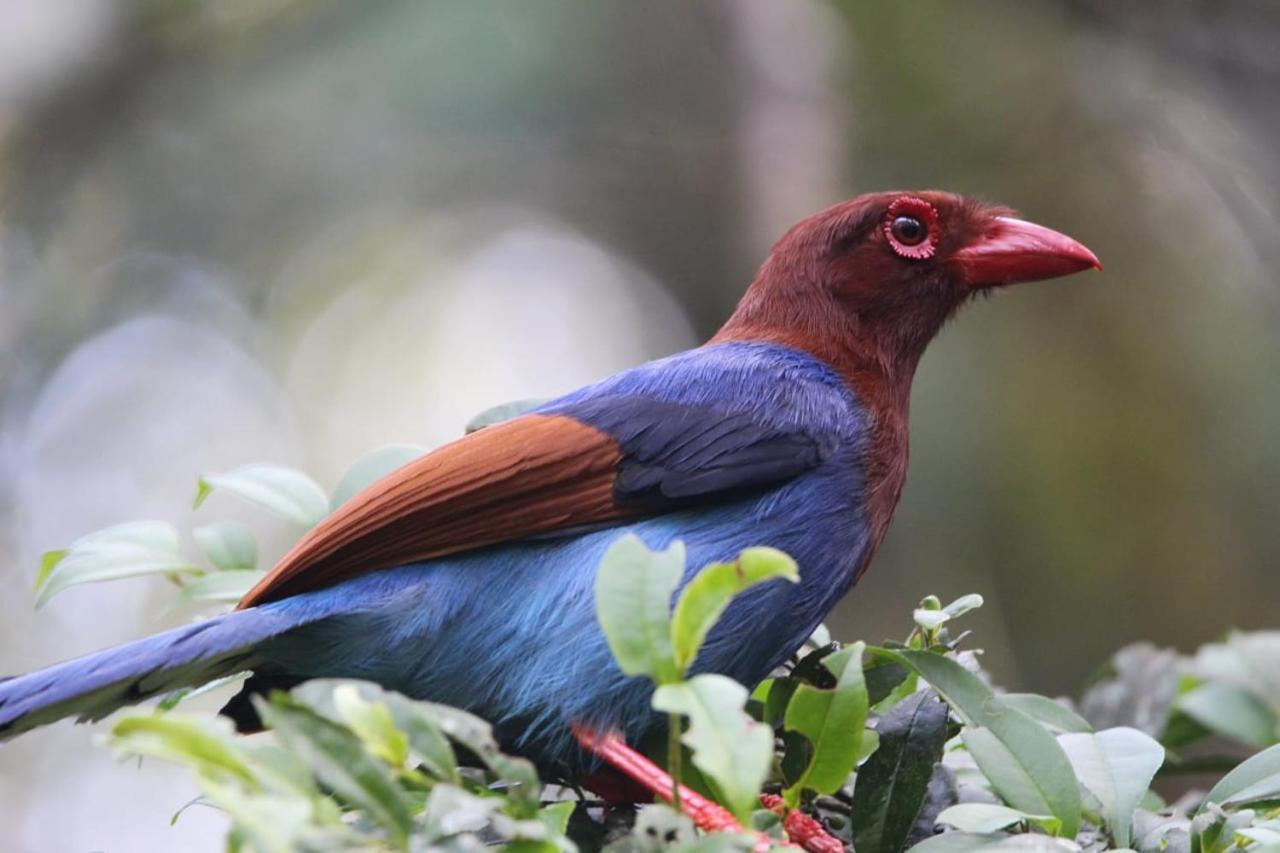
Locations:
(510, 632)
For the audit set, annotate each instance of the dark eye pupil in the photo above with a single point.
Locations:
(908, 230)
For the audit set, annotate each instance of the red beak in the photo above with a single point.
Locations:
(1014, 251)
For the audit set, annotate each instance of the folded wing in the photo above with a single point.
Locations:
(602, 460)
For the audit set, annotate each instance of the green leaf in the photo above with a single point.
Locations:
(1008, 776)
(833, 721)
(986, 818)
(1037, 758)
(503, 412)
(633, 604)
(1230, 711)
(556, 816)
(522, 788)
(1053, 714)
(221, 586)
(182, 694)
(272, 823)
(728, 746)
(418, 720)
(1214, 830)
(1266, 837)
(228, 545)
(372, 723)
(429, 745)
(884, 677)
(959, 842)
(340, 762)
(892, 784)
(1266, 788)
(125, 550)
(705, 597)
(285, 492)
(451, 811)
(1246, 775)
(1116, 766)
(371, 467)
(202, 743)
(48, 560)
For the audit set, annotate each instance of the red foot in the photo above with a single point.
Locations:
(802, 829)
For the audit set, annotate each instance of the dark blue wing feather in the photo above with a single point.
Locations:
(677, 453)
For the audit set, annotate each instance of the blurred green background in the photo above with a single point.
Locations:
(290, 232)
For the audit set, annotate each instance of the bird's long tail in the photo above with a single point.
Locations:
(95, 685)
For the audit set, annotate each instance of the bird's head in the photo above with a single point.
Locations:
(884, 271)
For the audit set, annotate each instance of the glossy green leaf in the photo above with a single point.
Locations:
(986, 818)
(1116, 766)
(705, 598)
(633, 604)
(285, 492)
(372, 467)
(1246, 775)
(1040, 761)
(503, 412)
(728, 746)
(125, 550)
(833, 721)
(221, 586)
(892, 784)
(341, 763)
(228, 545)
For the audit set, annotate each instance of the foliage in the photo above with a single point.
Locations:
(905, 745)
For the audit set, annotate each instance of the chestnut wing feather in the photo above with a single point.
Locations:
(530, 475)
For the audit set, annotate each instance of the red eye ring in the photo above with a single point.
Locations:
(922, 212)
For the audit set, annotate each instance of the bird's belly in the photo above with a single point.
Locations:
(510, 632)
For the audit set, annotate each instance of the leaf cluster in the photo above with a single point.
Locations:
(903, 745)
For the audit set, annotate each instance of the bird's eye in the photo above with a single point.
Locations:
(911, 228)
(908, 230)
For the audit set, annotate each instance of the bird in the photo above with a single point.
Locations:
(466, 576)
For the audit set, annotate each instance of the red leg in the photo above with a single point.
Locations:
(801, 829)
(708, 816)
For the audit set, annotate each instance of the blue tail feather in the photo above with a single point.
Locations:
(93, 686)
